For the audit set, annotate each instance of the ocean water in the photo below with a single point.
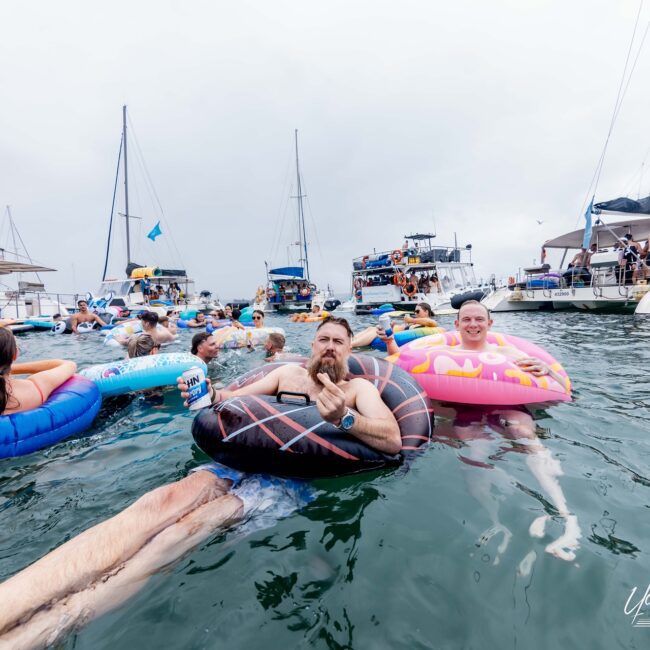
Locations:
(440, 556)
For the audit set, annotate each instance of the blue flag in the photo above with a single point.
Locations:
(155, 231)
(588, 229)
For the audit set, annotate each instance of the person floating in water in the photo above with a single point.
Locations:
(19, 395)
(472, 428)
(106, 564)
(84, 315)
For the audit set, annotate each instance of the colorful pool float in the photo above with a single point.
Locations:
(141, 373)
(233, 337)
(450, 374)
(69, 410)
(406, 336)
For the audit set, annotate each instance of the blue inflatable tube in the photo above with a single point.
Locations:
(181, 324)
(406, 336)
(141, 373)
(382, 310)
(69, 410)
(40, 324)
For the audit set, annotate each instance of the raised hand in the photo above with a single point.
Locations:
(331, 400)
(534, 366)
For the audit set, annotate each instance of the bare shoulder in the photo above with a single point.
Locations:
(358, 385)
(290, 370)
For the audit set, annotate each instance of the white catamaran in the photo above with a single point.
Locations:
(599, 277)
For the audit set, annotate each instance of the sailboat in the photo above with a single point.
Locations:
(29, 298)
(289, 288)
(170, 287)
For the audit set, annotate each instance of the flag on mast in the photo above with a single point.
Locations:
(588, 229)
(155, 231)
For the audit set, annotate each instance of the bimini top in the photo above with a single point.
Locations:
(601, 235)
(290, 271)
(624, 204)
(7, 267)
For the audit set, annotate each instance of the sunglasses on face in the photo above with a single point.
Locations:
(418, 311)
(257, 318)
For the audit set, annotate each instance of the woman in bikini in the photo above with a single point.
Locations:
(18, 395)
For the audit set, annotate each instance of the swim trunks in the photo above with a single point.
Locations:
(266, 498)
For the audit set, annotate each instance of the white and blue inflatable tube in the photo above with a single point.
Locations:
(141, 373)
(69, 410)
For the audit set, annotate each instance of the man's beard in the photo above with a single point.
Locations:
(336, 370)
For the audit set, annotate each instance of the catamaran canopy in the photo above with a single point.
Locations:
(290, 271)
(640, 229)
(7, 267)
(624, 204)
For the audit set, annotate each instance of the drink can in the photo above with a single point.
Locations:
(197, 387)
(384, 323)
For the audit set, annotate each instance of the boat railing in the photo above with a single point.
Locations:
(411, 256)
(11, 301)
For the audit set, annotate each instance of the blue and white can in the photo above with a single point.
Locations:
(197, 387)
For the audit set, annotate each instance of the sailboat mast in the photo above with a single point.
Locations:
(302, 235)
(126, 189)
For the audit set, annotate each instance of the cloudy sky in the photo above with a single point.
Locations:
(476, 117)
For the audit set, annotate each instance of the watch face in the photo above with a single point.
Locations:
(347, 421)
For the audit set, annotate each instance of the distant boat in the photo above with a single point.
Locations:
(601, 286)
(289, 288)
(419, 271)
(120, 294)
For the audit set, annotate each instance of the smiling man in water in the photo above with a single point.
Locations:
(106, 564)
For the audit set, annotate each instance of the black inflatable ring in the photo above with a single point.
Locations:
(285, 435)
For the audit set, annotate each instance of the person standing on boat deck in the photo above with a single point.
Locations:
(145, 288)
(84, 316)
(103, 566)
(204, 346)
(632, 254)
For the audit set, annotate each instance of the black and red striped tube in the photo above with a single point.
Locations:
(258, 433)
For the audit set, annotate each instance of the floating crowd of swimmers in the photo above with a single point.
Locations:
(383, 408)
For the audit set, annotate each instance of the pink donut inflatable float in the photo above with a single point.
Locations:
(481, 378)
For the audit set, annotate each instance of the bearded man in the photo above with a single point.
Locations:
(355, 405)
(104, 565)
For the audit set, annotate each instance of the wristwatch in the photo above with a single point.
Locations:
(347, 421)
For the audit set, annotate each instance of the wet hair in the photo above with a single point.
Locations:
(474, 302)
(150, 317)
(277, 340)
(197, 339)
(56, 316)
(8, 350)
(141, 345)
(334, 320)
(426, 306)
(236, 313)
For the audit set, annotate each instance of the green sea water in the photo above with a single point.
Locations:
(390, 559)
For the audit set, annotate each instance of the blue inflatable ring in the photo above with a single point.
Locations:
(69, 410)
(141, 373)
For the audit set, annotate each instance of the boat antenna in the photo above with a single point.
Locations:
(126, 189)
(302, 235)
(110, 222)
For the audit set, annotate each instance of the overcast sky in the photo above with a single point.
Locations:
(479, 116)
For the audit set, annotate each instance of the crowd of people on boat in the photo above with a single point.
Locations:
(632, 263)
